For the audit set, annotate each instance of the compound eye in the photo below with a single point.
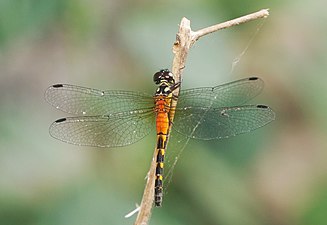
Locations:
(168, 76)
(163, 75)
(171, 79)
(157, 77)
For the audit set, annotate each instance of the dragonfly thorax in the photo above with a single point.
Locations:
(163, 90)
(165, 80)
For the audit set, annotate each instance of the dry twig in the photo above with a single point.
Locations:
(185, 39)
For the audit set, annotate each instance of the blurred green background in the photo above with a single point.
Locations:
(274, 175)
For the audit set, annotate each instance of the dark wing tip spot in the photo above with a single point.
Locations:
(60, 120)
(253, 78)
(262, 106)
(57, 85)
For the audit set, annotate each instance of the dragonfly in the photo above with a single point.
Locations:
(117, 118)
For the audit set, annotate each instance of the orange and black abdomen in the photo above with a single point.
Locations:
(163, 107)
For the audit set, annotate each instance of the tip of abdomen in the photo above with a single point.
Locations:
(158, 201)
(158, 196)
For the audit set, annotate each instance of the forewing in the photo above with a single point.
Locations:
(226, 95)
(91, 102)
(104, 131)
(212, 123)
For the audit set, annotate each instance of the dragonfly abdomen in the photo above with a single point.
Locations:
(162, 127)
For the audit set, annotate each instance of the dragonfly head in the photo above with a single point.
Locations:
(163, 76)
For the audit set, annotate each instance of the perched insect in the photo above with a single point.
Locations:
(119, 118)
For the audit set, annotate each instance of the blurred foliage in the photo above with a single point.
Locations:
(316, 211)
(274, 176)
(19, 19)
(236, 8)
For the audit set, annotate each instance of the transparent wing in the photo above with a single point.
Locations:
(104, 131)
(91, 102)
(226, 95)
(212, 123)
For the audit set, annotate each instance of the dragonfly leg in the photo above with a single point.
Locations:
(176, 85)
